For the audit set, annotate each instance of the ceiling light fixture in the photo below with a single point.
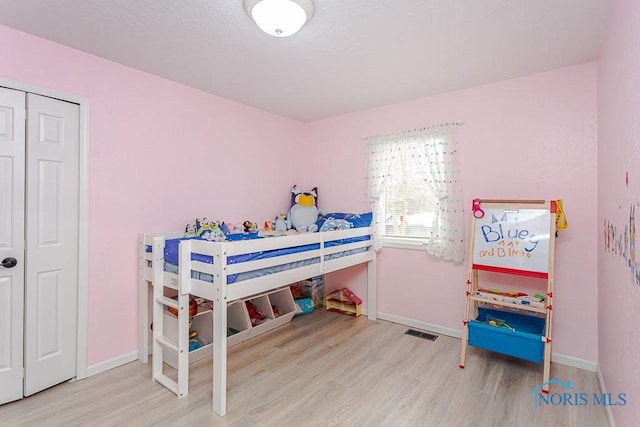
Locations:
(279, 18)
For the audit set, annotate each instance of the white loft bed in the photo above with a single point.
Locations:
(333, 250)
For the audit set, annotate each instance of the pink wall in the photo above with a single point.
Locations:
(619, 153)
(532, 137)
(161, 154)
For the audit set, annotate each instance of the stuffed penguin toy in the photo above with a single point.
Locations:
(282, 223)
(190, 231)
(304, 212)
(203, 227)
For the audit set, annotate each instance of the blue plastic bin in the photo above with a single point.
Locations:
(525, 342)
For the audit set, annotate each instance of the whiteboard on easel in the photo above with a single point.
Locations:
(513, 241)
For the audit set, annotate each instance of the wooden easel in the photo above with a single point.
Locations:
(486, 253)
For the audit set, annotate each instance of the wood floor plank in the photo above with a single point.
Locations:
(324, 369)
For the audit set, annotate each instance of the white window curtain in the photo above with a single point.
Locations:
(434, 151)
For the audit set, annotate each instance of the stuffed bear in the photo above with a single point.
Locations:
(304, 212)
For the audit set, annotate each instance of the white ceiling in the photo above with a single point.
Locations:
(351, 56)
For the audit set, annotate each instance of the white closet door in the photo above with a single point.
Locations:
(52, 243)
(12, 173)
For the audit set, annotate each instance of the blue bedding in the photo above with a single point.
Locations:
(328, 222)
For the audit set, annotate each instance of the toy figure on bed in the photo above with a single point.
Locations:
(209, 230)
(250, 227)
(304, 210)
(216, 234)
(331, 223)
(203, 227)
(232, 228)
(224, 227)
(281, 223)
(190, 231)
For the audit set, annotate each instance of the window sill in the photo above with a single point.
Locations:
(400, 243)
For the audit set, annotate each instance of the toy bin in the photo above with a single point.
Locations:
(521, 336)
(238, 323)
(314, 289)
(280, 298)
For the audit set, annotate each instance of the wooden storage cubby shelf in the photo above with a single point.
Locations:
(281, 298)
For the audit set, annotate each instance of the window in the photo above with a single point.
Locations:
(414, 192)
(409, 204)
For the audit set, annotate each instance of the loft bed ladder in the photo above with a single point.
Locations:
(180, 386)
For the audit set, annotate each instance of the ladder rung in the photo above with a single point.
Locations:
(168, 302)
(162, 341)
(168, 383)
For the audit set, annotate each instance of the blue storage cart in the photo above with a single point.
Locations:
(519, 335)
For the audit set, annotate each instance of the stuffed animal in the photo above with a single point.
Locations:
(203, 227)
(216, 234)
(335, 224)
(304, 212)
(250, 227)
(282, 223)
(235, 228)
(190, 231)
(225, 228)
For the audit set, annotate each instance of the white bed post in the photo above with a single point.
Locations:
(143, 305)
(219, 330)
(158, 293)
(372, 288)
(184, 288)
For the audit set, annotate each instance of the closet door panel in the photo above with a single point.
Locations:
(52, 242)
(12, 187)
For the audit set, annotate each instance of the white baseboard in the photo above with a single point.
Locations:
(421, 325)
(111, 363)
(603, 390)
(574, 362)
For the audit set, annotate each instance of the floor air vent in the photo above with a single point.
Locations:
(423, 335)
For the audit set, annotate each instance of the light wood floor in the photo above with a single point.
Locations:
(324, 369)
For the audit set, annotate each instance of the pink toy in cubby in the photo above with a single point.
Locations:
(255, 315)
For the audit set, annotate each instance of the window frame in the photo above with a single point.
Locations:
(412, 243)
(437, 160)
